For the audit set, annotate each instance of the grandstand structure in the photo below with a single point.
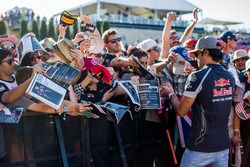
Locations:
(137, 19)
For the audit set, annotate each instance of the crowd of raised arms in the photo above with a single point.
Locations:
(203, 82)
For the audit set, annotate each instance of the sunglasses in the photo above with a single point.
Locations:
(95, 75)
(36, 55)
(241, 59)
(8, 47)
(174, 37)
(196, 54)
(115, 40)
(100, 55)
(156, 48)
(233, 39)
(9, 61)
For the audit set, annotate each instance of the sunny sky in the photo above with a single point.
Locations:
(229, 10)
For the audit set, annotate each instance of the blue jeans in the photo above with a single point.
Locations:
(201, 159)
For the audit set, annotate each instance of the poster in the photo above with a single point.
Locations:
(46, 91)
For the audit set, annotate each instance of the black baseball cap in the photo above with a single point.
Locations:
(227, 35)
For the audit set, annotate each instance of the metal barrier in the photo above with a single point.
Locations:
(41, 140)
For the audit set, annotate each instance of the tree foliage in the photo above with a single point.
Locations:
(105, 26)
(102, 26)
(43, 29)
(3, 29)
(24, 28)
(99, 26)
(67, 34)
(75, 28)
(35, 29)
(51, 28)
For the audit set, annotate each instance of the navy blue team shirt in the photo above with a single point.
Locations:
(213, 88)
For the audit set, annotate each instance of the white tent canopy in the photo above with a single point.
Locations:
(218, 22)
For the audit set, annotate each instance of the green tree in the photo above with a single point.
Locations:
(105, 26)
(75, 29)
(51, 28)
(67, 34)
(24, 28)
(43, 29)
(99, 26)
(3, 29)
(35, 29)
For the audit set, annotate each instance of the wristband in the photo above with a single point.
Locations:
(236, 131)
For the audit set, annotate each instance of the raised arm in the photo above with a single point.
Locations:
(171, 16)
(189, 30)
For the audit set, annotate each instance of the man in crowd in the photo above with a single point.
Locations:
(208, 92)
(230, 39)
(112, 42)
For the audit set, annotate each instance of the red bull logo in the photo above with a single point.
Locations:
(222, 92)
(222, 82)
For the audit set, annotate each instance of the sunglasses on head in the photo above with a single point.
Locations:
(115, 40)
(9, 61)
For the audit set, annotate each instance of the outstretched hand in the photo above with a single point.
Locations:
(195, 14)
(77, 109)
(62, 30)
(171, 16)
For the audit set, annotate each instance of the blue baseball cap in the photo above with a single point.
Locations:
(181, 51)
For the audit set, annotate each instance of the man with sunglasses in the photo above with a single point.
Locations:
(9, 91)
(114, 50)
(208, 92)
(112, 42)
(230, 39)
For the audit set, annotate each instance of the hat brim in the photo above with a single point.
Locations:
(239, 58)
(193, 51)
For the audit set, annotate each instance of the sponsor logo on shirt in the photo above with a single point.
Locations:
(222, 82)
(220, 89)
(222, 92)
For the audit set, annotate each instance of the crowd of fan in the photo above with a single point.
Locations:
(209, 64)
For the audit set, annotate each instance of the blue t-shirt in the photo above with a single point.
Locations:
(212, 87)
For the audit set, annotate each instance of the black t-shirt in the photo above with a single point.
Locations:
(213, 88)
